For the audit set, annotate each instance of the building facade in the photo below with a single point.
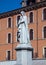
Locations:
(36, 13)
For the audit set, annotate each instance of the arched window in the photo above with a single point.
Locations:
(31, 17)
(44, 32)
(9, 38)
(31, 34)
(44, 14)
(44, 52)
(18, 17)
(9, 22)
(8, 55)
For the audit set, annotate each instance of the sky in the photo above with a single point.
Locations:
(8, 5)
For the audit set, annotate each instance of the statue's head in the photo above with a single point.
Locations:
(22, 13)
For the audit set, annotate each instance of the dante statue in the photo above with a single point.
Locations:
(23, 28)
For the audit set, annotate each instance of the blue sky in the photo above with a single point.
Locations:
(8, 5)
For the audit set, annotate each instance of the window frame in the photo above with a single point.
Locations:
(43, 13)
(7, 54)
(29, 17)
(43, 32)
(11, 37)
(16, 18)
(33, 33)
(44, 52)
(7, 22)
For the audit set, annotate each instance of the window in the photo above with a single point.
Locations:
(9, 38)
(18, 36)
(33, 1)
(9, 22)
(30, 2)
(44, 32)
(44, 52)
(8, 55)
(31, 17)
(18, 17)
(31, 34)
(44, 14)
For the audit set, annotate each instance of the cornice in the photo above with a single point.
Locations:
(26, 9)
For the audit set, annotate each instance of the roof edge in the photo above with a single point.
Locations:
(26, 9)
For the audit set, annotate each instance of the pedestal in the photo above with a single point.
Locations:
(24, 54)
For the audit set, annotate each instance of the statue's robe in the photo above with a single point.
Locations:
(23, 29)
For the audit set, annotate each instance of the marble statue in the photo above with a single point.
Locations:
(24, 56)
(23, 28)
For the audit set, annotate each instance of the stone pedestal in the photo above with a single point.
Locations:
(24, 54)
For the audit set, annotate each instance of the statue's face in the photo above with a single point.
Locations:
(22, 13)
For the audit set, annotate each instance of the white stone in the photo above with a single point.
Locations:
(24, 49)
(23, 28)
(24, 54)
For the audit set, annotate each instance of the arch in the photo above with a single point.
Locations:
(44, 32)
(44, 14)
(44, 52)
(9, 22)
(9, 38)
(31, 17)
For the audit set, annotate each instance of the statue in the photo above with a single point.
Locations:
(23, 28)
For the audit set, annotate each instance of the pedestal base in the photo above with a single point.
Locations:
(24, 54)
